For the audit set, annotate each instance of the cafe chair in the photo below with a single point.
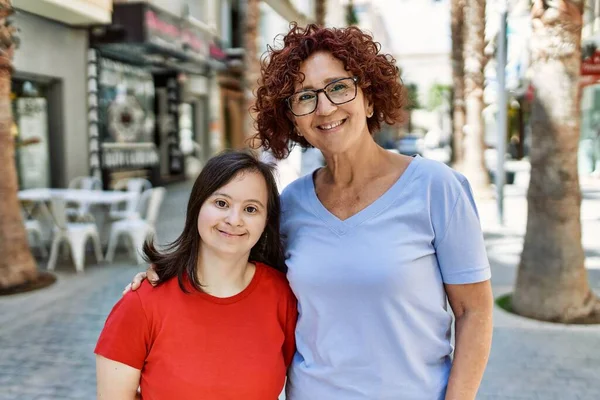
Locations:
(34, 231)
(132, 185)
(85, 182)
(75, 234)
(81, 212)
(137, 229)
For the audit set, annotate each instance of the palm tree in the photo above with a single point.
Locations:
(457, 12)
(552, 281)
(17, 265)
(252, 60)
(474, 62)
(320, 12)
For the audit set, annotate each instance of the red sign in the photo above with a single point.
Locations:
(171, 30)
(217, 53)
(591, 65)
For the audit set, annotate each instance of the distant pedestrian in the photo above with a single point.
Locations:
(376, 242)
(220, 324)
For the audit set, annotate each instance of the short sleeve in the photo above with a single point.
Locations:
(461, 250)
(289, 345)
(125, 337)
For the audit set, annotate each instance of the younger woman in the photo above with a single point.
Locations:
(220, 325)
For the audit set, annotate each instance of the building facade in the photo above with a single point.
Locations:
(153, 95)
(118, 90)
(49, 88)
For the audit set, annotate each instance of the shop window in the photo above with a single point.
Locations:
(30, 129)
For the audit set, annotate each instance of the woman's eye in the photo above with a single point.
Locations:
(251, 210)
(221, 203)
(306, 97)
(338, 87)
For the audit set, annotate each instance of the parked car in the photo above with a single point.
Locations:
(410, 145)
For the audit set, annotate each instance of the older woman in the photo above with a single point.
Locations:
(376, 243)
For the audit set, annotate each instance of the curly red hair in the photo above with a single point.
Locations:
(280, 70)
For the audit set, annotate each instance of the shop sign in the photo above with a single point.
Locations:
(170, 32)
(123, 119)
(217, 53)
(590, 65)
(135, 155)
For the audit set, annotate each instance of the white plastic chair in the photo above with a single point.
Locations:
(34, 230)
(75, 234)
(82, 211)
(137, 229)
(85, 182)
(133, 185)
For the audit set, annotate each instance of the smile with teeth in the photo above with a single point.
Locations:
(332, 125)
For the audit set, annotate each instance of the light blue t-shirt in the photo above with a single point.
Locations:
(373, 319)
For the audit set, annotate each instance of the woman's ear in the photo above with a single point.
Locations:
(290, 116)
(369, 109)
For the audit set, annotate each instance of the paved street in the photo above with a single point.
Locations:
(47, 337)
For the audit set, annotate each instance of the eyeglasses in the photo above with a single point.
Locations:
(338, 92)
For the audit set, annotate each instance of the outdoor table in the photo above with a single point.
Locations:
(105, 198)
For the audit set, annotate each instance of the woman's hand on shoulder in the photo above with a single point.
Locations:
(150, 274)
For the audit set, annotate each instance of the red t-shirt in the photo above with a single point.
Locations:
(197, 346)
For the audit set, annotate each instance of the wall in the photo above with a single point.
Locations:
(420, 37)
(56, 51)
(335, 14)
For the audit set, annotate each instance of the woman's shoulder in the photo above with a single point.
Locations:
(272, 277)
(149, 294)
(437, 179)
(437, 172)
(297, 188)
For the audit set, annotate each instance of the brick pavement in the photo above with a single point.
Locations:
(47, 337)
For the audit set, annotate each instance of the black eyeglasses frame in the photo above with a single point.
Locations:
(323, 90)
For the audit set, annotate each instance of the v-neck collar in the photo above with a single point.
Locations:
(341, 227)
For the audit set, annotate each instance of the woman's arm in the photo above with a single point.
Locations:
(116, 381)
(472, 305)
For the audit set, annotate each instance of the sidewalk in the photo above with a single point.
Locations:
(532, 359)
(47, 337)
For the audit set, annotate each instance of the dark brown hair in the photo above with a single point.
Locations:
(280, 71)
(180, 257)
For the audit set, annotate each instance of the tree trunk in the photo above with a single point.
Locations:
(17, 265)
(552, 281)
(474, 58)
(320, 12)
(458, 77)
(252, 61)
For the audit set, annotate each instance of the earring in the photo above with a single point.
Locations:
(370, 114)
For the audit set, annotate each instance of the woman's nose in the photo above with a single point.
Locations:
(234, 217)
(324, 105)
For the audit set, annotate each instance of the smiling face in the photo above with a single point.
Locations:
(331, 128)
(233, 218)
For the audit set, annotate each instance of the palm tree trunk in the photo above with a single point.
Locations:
(474, 58)
(252, 60)
(458, 77)
(320, 12)
(552, 281)
(17, 265)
